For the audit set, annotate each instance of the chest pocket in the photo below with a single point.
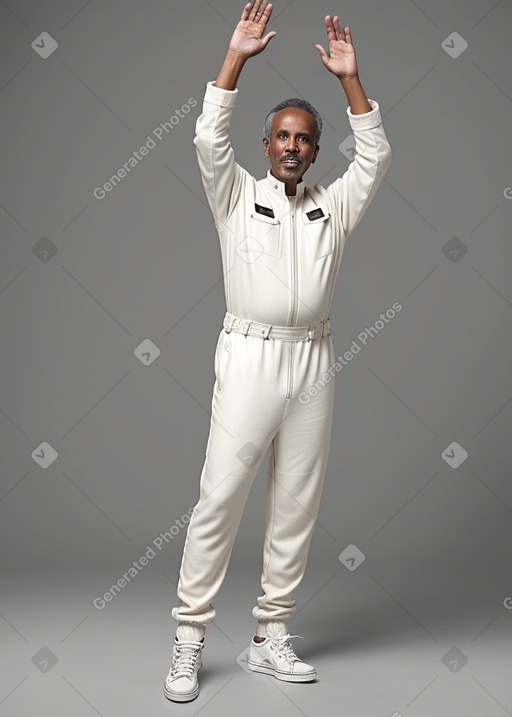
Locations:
(319, 232)
(267, 231)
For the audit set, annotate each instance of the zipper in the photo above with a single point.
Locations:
(293, 315)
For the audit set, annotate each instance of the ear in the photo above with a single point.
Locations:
(266, 146)
(315, 154)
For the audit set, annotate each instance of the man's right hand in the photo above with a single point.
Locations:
(247, 38)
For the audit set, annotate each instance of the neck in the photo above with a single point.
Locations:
(290, 187)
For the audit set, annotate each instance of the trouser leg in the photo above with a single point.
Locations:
(245, 413)
(294, 483)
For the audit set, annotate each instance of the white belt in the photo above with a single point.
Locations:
(270, 331)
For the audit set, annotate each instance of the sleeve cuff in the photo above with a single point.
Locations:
(219, 96)
(366, 120)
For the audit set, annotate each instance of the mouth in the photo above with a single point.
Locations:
(291, 163)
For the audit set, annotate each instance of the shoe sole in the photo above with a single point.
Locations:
(279, 674)
(182, 696)
(179, 696)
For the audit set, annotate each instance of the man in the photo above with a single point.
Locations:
(281, 245)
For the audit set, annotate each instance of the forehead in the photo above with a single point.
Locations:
(294, 119)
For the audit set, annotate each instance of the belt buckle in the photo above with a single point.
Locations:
(244, 325)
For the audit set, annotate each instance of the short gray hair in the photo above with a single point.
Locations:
(294, 102)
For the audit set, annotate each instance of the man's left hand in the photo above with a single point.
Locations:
(341, 60)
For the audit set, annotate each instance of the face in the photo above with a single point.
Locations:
(292, 147)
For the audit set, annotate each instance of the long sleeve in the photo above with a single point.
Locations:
(222, 176)
(354, 190)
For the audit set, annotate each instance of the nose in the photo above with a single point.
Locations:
(291, 145)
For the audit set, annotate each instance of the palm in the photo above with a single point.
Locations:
(341, 59)
(247, 37)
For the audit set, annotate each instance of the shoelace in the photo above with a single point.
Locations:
(283, 646)
(184, 658)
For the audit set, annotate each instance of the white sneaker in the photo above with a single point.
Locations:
(181, 684)
(275, 656)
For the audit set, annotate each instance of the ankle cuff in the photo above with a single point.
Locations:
(190, 631)
(271, 628)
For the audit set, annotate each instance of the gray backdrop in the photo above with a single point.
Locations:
(110, 308)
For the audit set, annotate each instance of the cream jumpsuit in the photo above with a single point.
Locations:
(281, 256)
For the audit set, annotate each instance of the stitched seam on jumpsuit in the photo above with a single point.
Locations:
(234, 204)
(273, 514)
(229, 213)
(368, 199)
(291, 473)
(336, 261)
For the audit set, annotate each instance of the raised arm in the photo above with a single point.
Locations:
(354, 191)
(247, 41)
(222, 176)
(342, 62)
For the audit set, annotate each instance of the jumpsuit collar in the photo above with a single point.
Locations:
(279, 187)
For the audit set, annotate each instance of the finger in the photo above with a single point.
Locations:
(348, 36)
(323, 54)
(331, 33)
(256, 9)
(252, 10)
(339, 30)
(265, 40)
(245, 11)
(267, 13)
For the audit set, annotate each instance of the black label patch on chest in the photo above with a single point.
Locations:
(315, 214)
(267, 211)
